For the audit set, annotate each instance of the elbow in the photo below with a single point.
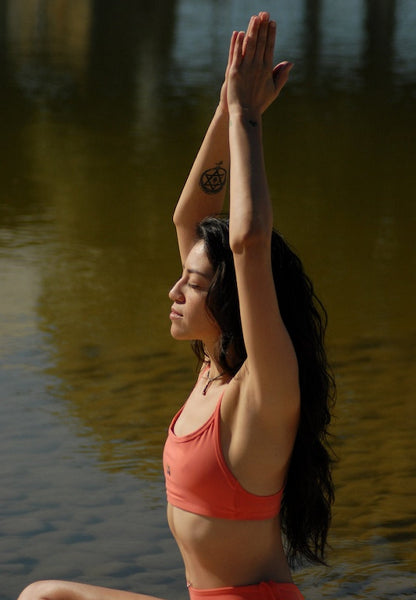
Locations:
(179, 219)
(253, 237)
(176, 218)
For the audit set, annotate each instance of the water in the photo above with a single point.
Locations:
(103, 106)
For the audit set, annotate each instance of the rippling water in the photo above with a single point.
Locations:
(103, 107)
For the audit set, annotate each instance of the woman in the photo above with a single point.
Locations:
(245, 458)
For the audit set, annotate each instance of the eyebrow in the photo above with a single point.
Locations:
(198, 273)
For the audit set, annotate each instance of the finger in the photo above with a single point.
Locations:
(269, 49)
(251, 38)
(231, 50)
(249, 29)
(264, 16)
(262, 36)
(238, 49)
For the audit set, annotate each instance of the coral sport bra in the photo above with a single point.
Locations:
(198, 479)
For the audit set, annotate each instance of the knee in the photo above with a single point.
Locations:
(40, 590)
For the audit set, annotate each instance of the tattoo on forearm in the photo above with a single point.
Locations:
(213, 180)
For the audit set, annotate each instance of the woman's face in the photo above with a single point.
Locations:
(189, 317)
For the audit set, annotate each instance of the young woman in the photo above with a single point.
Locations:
(245, 460)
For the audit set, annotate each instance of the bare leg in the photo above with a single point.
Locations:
(65, 590)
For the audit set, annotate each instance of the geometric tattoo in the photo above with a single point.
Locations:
(213, 180)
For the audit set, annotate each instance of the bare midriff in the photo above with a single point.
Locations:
(222, 552)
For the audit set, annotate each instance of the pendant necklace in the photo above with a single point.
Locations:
(210, 380)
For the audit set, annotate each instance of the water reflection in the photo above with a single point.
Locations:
(51, 40)
(379, 51)
(104, 105)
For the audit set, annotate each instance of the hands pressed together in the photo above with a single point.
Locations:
(251, 82)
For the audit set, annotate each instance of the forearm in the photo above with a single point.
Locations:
(205, 187)
(251, 216)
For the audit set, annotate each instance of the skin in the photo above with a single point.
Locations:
(189, 317)
(260, 406)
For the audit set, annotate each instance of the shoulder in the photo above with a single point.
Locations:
(274, 411)
(253, 433)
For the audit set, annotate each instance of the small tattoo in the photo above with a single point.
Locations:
(213, 180)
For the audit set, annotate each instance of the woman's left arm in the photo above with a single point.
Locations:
(271, 360)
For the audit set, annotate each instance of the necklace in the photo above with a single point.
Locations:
(210, 380)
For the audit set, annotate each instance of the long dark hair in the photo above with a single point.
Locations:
(309, 491)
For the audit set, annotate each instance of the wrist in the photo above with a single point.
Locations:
(245, 115)
(221, 111)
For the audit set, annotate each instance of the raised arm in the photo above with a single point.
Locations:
(205, 187)
(252, 84)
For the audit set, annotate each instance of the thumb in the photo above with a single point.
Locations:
(281, 74)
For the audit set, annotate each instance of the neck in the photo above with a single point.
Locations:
(211, 380)
(215, 368)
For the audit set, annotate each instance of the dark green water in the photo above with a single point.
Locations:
(103, 106)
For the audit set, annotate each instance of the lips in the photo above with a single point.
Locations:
(174, 314)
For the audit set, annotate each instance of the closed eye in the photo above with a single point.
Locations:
(198, 288)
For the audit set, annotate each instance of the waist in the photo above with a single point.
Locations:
(193, 529)
(269, 590)
(221, 552)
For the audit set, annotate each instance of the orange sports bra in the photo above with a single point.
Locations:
(198, 479)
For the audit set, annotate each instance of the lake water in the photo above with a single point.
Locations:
(103, 106)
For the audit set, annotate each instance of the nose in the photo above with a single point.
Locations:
(175, 293)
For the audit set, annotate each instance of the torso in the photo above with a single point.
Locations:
(220, 552)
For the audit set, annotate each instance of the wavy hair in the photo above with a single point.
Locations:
(309, 491)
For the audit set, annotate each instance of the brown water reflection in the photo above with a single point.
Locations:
(103, 107)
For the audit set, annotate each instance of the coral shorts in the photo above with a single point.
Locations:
(261, 591)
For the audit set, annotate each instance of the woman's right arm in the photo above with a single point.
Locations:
(205, 187)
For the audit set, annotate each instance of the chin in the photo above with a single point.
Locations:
(178, 335)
